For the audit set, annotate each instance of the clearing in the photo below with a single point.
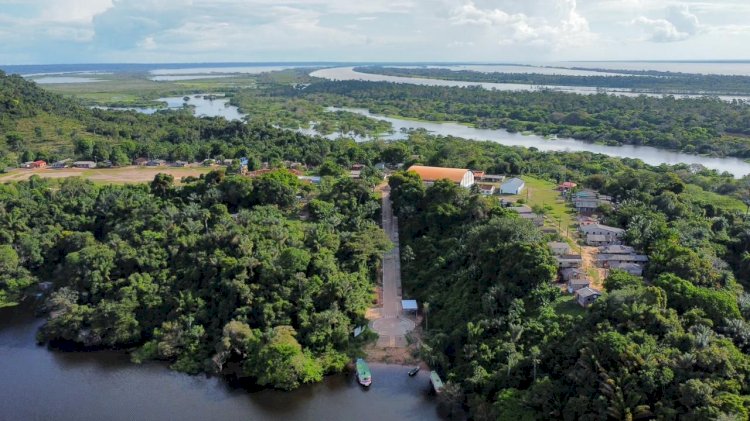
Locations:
(121, 175)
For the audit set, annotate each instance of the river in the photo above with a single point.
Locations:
(648, 154)
(348, 73)
(219, 107)
(39, 384)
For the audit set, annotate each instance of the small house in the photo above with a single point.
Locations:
(355, 167)
(599, 229)
(61, 164)
(525, 212)
(227, 162)
(39, 164)
(492, 178)
(156, 163)
(587, 295)
(85, 164)
(607, 260)
(487, 189)
(572, 273)
(513, 186)
(569, 261)
(598, 240)
(559, 247)
(140, 161)
(577, 284)
(617, 249)
(179, 164)
(567, 186)
(631, 268)
(478, 175)
(356, 174)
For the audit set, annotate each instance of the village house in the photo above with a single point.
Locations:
(566, 261)
(156, 163)
(34, 164)
(631, 268)
(598, 240)
(613, 235)
(491, 178)
(140, 161)
(61, 164)
(478, 175)
(430, 175)
(586, 296)
(617, 249)
(572, 273)
(85, 164)
(587, 202)
(607, 260)
(566, 186)
(526, 212)
(586, 220)
(179, 164)
(356, 174)
(559, 247)
(486, 189)
(577, 284)
(513, 186)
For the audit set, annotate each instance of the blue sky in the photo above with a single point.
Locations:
(75, 31)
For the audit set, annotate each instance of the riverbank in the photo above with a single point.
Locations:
(40, 384)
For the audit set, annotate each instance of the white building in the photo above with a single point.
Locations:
(513, 186)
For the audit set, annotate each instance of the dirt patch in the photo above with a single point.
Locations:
(123, 175)
(597, 274)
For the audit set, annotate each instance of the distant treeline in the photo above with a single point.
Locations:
(657, 82)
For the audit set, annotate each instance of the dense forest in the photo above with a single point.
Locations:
(223, 275)
(674, 83)
(511, 346)
(704, 126)
(265, 278)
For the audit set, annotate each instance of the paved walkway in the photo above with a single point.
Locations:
(391, 326)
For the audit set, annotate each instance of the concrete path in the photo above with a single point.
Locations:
(391, 326)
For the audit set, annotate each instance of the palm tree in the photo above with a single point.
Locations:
(426, 312)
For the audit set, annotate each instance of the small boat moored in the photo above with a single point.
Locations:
(413, 372)
(364, 377)
(437, 383)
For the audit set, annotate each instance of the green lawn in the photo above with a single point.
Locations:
(568, 305)
(541, 192)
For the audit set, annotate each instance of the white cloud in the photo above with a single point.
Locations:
(552, 24)
(678, 24)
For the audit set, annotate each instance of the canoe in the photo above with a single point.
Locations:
(437, 383)
(364, 377)
(413, 372)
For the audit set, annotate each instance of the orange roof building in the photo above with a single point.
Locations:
(460, 176)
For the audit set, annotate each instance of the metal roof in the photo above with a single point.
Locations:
(410, 305)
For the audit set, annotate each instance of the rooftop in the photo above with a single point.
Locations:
(438, 173)
(588, 292)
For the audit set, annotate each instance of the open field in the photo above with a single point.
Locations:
(543, 193)
(123, 175)
(137, 89)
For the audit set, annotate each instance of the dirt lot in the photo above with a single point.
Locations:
(123, 175)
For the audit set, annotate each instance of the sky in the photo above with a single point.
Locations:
(157, 31)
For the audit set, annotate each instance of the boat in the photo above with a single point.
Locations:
(413, 372)
(364, 377)
(437, 383)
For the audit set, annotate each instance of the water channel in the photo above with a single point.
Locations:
(348, 73)
(203, 105)
(42, 384)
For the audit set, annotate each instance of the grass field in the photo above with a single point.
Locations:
(541, 192)
(123, 175)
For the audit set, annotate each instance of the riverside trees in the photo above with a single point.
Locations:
(170, 271)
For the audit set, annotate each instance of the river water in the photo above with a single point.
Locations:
(348, 73)
(653, 156)
(39, 384)
(648, 154)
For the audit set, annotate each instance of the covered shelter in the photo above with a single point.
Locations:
(409, 306)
